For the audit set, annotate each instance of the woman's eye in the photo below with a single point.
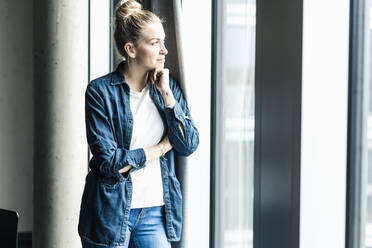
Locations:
(154, 43)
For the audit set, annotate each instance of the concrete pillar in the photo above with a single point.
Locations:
(60, 159)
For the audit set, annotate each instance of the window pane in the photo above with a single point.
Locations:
(234, 123)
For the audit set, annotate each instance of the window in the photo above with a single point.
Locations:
(234, 123)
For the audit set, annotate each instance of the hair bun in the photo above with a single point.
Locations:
(127, 7)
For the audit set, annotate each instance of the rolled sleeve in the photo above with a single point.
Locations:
(107, 158)
(186, 143)
(175, 114)
(135, 158)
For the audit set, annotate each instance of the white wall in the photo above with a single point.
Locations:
(16, 109)
(324, 123)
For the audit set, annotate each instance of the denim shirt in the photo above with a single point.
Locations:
(106, 200)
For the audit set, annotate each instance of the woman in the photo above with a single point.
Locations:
(136, 119)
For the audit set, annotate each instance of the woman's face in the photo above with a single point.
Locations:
(151, 50)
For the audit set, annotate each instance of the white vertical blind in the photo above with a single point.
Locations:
(324, 123)
(366, 160)
(197, 64)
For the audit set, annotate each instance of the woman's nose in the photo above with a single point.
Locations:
(164, 50)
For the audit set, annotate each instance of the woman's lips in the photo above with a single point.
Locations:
(161, 60)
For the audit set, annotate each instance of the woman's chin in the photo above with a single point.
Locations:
(160, 66)
(156, 66)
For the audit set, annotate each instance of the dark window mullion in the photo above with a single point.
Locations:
(278, 123)
(357, 172)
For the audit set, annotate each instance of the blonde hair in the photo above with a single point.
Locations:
(130, 20)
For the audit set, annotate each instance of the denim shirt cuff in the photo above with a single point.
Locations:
(136, 158)
(175, 114)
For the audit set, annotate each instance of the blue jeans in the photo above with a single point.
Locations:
(146, 228)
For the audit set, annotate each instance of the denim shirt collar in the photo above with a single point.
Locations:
(118, 76)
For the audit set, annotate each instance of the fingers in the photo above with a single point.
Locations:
(156, 73)
(125, 169)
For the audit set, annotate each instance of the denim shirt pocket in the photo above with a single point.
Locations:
(102, 209)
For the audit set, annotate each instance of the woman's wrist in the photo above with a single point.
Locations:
(168, 98)
(158, 150)
(165, 146)
(162, 149)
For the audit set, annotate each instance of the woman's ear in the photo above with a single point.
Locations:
(130, 49)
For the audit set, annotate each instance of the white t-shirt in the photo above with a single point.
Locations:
(148, 129)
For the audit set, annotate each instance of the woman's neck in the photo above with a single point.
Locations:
(135, 76)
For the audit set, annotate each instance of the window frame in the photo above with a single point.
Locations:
(354, 235)
(272, 228)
